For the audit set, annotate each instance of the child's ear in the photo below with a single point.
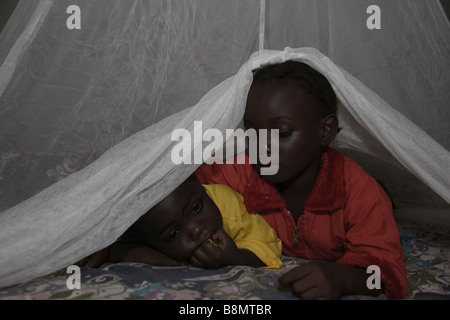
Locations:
(329, 129)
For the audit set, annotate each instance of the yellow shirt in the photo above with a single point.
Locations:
(248, 230)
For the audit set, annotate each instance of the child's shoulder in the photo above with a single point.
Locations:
(354, 172)
(221, 190)
(352, 167)
(358, 180)
(340, 165)
(230, 203)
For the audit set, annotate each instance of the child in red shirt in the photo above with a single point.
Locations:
(324, 206)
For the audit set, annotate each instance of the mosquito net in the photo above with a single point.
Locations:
(92, 90)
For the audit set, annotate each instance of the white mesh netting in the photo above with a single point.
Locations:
(86, 115)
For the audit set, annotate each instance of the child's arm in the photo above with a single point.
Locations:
(94, 260)
(130, 251)
(127, 251)
(371, 238)
(221, 251)
(372, 235)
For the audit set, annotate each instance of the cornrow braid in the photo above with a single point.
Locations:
(308, 78)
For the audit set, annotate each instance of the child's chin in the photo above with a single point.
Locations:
(274, 181)
(275, 178)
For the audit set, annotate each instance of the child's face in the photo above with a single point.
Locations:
(284, 105)
(182, 222)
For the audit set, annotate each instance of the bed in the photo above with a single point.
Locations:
(426, 249)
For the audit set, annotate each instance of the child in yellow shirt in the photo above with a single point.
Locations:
(206, 226)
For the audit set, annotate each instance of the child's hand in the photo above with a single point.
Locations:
(327, 280)
(314, 280)
(215, 252)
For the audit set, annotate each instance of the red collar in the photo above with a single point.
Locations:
(328, 193)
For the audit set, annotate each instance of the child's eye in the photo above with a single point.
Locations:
(285, 133)
(174, 235)
(197, 207)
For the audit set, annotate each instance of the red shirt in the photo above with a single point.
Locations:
(347, 218)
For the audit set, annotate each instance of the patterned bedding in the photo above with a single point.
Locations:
(426, 250)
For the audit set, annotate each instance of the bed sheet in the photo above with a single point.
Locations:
(426, 250)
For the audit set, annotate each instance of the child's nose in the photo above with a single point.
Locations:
(195, 231)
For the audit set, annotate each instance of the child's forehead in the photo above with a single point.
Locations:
(166, 211)
(178, 198)
(282, 85)
(281, 95)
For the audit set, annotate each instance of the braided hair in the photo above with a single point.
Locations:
(312, 81)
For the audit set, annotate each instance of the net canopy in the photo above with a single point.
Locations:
(87, 111)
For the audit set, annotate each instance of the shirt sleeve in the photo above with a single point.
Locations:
(372, 236)
(248, 230)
